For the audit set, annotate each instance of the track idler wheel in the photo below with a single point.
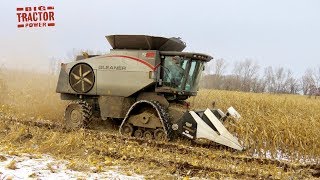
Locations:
(148, 134)
(127, 129)
(138, 133)
(160, 135)
(77, 115)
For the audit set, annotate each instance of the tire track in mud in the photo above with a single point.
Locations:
(184, 167)
(172, 147)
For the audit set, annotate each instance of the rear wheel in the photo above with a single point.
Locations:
(77, 115)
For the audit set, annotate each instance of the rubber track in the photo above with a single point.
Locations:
(162, 114)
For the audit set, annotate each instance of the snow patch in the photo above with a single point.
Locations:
(28, 166)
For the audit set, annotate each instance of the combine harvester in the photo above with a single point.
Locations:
(143, 82)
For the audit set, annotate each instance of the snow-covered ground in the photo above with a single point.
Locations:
(28, 166)
(284, 157)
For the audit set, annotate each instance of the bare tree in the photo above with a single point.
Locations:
(294, 85)
(214, 73)
(220, 66)
(317, 76)
(258, 85)
(280, 80)
(314, 91)
(308, 80)
(269, 79)
(218, 72)
(246, 72)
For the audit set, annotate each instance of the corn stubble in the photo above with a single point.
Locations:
(272, 126)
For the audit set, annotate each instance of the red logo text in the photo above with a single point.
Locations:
(38, 16)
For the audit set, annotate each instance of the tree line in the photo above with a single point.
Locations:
(248, 76)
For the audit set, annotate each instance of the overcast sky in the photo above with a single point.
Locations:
(271, 32)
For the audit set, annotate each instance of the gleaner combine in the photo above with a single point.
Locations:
(143, 82)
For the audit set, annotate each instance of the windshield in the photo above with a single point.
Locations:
(182, 73)
(194, 75)
(174, 71)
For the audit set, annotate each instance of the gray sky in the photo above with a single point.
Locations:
(271, 32)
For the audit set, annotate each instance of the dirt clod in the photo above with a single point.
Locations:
(2, 158)
(12, 165)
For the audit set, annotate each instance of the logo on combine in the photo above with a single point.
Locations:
(118, 68)
(149, 55)
(38, 16)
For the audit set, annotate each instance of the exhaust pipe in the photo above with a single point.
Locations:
(208, 125)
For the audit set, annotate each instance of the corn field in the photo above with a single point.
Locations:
(275, 127)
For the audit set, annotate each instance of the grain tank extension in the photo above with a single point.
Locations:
(143, 82)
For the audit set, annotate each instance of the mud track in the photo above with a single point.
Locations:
(212, 153)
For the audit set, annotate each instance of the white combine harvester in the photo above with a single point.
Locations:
(143, 82)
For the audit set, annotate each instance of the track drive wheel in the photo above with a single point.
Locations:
(78, 114)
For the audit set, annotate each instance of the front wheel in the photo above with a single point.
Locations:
(78, 114)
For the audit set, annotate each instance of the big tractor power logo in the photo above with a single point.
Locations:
(35, 17)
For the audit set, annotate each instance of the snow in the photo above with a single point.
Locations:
(46, 167)
(280, 156)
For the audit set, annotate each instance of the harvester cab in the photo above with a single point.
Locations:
(180, 74)
(143, 82)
